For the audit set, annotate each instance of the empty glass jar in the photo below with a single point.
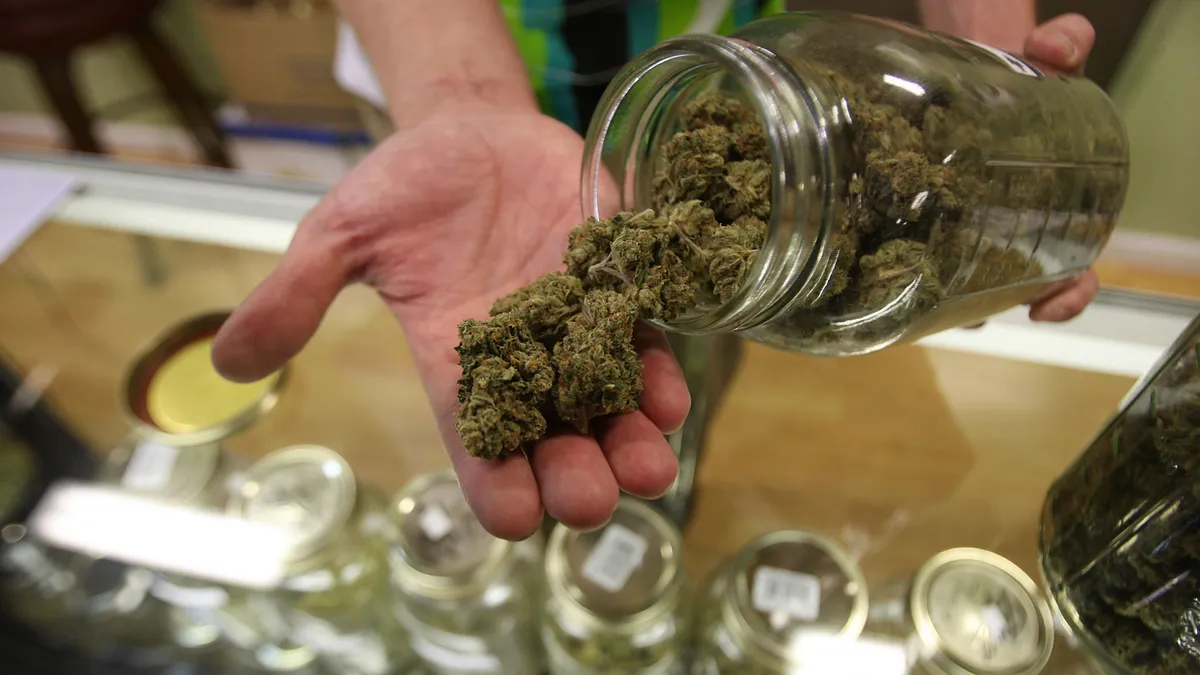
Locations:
(1120, 532)
(467, 599)
(789, 602)
(616, 603)
(916, 182)
(331, 608)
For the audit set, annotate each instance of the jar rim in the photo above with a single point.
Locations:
(797, 142)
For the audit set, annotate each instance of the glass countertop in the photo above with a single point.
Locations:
(897, 455)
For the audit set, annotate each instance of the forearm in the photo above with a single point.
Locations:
(431, 55)
(999, 23)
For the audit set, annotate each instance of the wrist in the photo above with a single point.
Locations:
(413, 104)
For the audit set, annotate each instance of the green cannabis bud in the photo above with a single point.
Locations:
(506, 378)
(598, 368)
(545, 305)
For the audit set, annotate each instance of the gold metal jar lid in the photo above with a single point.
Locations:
(795, 595)
(441, 549)
(173, 393)
(977, 613)
(170, 471)
(308, 488)
(621, 576)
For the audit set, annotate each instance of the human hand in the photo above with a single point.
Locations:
(1063, 44)
(441, 220)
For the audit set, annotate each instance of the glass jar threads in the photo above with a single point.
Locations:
(1120, 530)
(330, 606)
(789, 602)
(966, 612)
(467, 599)
(837, 184)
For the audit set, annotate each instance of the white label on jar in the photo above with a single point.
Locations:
(993, 619)
(795, 594)
(1014, 63)
(191, 598)
(150, 466)
(435, 523)
(618, 553)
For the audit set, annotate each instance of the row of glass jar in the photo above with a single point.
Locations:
(417, 585)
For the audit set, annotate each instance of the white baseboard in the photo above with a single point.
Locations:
(1151, 249)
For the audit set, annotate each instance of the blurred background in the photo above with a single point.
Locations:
(263, 69)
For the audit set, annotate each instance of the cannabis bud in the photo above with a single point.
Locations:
(562, 347)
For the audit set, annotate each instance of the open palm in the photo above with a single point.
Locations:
(441, 220)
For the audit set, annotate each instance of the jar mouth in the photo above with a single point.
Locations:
(634, 119)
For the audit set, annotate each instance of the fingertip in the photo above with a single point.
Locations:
(576, 484)
(502, 494)
(639, 456)
(665, 400)
(1063, 42)
(1069, 302)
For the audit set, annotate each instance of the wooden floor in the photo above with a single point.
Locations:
(898, 455)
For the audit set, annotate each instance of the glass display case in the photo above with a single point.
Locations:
(875, 514)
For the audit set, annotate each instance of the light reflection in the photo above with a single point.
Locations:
(906, 85)
(820, 654)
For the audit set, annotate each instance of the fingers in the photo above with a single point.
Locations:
(277, 319)
(1069, 302)
(577, 485)
(665, 399)
(1063, 43)
(502, 494)
(639, 456)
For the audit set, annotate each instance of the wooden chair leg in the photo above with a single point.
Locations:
(184, 94)
(58, 81)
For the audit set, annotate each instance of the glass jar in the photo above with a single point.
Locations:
(616, 596)
(789, 602)
(38, 583)
(331, 606)
(965, 612)
(467, 599)
(916, 181)
(1120, 530)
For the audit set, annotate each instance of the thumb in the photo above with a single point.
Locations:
(1062, 43)
(278, 318)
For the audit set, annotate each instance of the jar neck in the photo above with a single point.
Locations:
(640, 111)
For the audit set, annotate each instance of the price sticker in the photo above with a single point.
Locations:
(150, 466)
(791, 593)
(617, 554)
(435, 523)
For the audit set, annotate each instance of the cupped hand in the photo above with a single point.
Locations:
(1063, 44)
(441, 220)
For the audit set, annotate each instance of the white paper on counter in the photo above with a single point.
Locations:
(27, 198)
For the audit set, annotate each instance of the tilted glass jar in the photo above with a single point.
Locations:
(788, 602)
(917, 182)
(616, 601)
(467, 599)
(331, 606)
(966, 612)
(1120, 530)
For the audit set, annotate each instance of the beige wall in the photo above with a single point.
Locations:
(111, 73)
(1158, 92)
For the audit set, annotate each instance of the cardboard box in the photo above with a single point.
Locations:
(276, 58)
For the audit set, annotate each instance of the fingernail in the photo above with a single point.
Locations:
(1066, 46)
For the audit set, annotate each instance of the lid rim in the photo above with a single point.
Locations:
(151, 356)
(738, 622)
(556, 571)
(942, 657)
(442, 587)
